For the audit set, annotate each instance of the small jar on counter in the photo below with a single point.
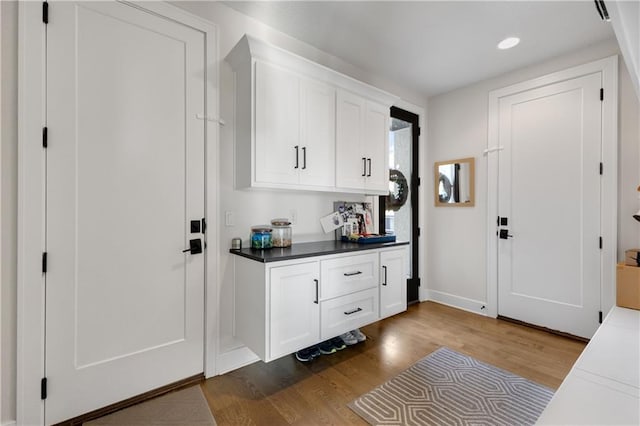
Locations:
(261, 237)
(281, 232)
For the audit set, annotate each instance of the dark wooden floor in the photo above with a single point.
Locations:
(286, 391)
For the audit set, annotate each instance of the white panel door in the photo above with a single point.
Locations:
(294, 316)
(125, 175)
(318, 125)
(350, 160)
(278, 154)
(376, 146)
(549, 265)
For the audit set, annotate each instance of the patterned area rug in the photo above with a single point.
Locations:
(448, 388)
(184, 407)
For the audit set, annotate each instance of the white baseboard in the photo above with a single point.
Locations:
(470, 305)
(235, 359)
(9, 423)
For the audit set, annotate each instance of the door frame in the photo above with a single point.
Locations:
(609, 181)
(414, 183)
(31, 198)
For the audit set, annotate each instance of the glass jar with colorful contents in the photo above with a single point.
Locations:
(261, 237)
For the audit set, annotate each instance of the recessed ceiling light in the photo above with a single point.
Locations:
(508, 43)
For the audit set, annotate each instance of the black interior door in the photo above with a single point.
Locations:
(398, 212)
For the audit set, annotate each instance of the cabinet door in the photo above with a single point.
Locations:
(393, 282)
(376, 148)
(294, 316)
(350, 159)
(277, 125)
(318, 126)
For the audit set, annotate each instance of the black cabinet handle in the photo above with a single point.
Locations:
(369, 161)
(350, 274)
(316, 301)
(297, 161)
(353, 311)
(385, 275)
(364, 166)
(304, 157)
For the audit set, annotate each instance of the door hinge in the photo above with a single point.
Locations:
(419, 131)
(43, 388)
(419, 182)
(418, 232)
(44, 262)
(600, 242)
(204, 225)
(602, 94)
(45, 137)
(45, 12)
(601, 168)
(600, 317)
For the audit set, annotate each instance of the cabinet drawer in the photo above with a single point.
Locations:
(346, 275)
(349, 312)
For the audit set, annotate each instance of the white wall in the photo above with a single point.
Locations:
(457, 127)
(8, 206)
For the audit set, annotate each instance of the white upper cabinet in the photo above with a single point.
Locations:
(296, 127)
(318, 149)
(277, 125)
(361, 144)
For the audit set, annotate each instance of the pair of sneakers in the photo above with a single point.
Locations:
(327, 347)
(352, 337)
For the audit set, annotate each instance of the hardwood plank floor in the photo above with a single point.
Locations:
(288, 392)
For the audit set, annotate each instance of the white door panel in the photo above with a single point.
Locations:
(549, 191)
(125, 175)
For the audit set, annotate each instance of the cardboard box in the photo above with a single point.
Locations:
(628, 286)
(631, 257)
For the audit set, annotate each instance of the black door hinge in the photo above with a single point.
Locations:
(44, 262)
(45, 12)
(600, 317)
(418, 232)
(600, 242)
(43, 388)
(602, 94)
(45, 137)
(204, 225)
(419, 131)
(419, 182)
(601, 168)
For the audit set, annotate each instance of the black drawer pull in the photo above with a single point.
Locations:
(385, 275)
(350, 274)
(353, 312)
(316, 301)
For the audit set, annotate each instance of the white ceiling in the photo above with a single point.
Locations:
(435, 46)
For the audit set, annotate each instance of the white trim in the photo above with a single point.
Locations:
(466, 304)
(609, 69)
(422, 207)
(236, 358)
(9, 423)
(31, 221)
(2, 367)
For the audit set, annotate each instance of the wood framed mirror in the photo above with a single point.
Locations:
(454, 183)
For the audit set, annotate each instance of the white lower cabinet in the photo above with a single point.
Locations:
(284, 306)
(348, 312)
(294, 318)
(393, 281)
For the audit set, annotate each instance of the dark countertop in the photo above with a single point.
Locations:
(302, 250)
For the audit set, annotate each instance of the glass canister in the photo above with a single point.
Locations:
(281, 232)
(261, 237)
